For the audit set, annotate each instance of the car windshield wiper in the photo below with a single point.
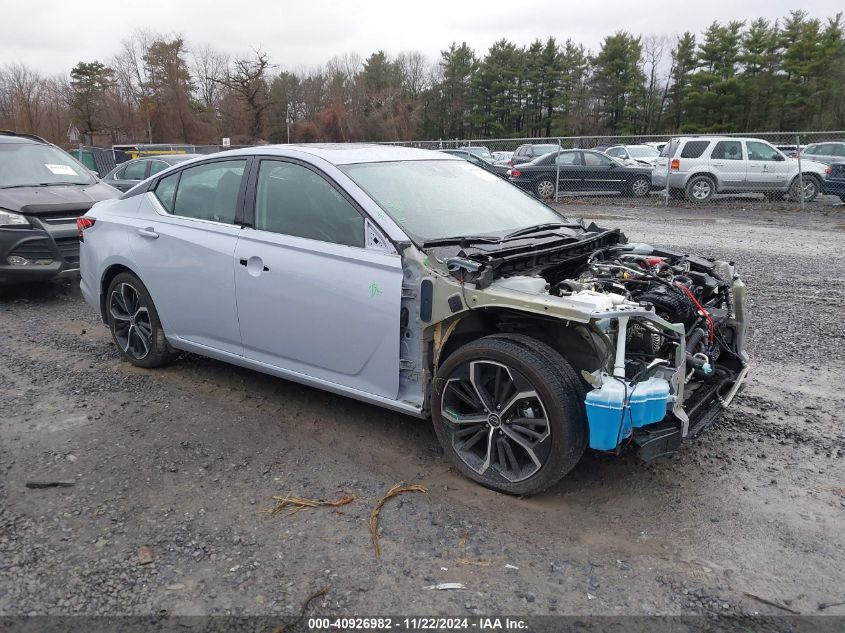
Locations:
(538, 227)
(467, 239)
(44, 184)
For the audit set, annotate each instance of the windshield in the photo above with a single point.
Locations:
(27, 164)
(480, 151)
(436, 199)
(643, 151)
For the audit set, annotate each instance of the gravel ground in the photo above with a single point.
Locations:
(174, 470)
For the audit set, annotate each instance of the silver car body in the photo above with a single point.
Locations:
(326, 314)
(629, 154)
(732, 163)
(827, 152)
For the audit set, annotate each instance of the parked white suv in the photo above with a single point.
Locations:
(699, 167)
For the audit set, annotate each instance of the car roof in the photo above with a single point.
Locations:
(722, 138)
(172, 159)
(7, 136)
(346, 153)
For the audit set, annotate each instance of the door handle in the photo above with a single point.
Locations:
(148, 232)
(253, 270)
(719, 164)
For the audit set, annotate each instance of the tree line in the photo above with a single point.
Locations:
(759, 75)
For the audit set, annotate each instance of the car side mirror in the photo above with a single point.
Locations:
(613, 165)
(779, 158)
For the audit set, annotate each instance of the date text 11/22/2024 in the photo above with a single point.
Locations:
(417, 624)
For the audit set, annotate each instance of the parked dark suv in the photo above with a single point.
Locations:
(42, 192)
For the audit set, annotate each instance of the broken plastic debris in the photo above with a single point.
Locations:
(447, 585)
(509, 566)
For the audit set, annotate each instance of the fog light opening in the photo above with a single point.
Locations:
(17, 260)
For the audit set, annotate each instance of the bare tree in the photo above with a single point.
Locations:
(249, 82)
(23, 89)
(414, 68)
(209, 68)
(654, 48)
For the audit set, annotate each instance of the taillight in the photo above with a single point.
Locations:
(675, 165)
(82, 224)
(516, 173)
(829, 170)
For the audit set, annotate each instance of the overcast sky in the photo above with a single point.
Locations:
(53, 35)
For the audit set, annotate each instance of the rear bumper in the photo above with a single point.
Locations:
(39, 253)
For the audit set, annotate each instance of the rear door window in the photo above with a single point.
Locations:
(694, 149)
(591, 159)
(568, 158)
(205, 192)
(727, 150)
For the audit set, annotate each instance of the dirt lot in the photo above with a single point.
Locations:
(183, 462)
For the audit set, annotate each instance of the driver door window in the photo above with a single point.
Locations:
(293, 200)
(761, 151)
(727, 150)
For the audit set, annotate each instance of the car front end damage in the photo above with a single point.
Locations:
(657, 336)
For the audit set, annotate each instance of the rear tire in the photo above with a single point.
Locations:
(700, 189)
(134, 323)
(509, 412)
(544, 189)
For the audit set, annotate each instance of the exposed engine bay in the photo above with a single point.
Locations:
(667, 328)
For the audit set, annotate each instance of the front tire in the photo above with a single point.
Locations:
(509, 412)
(134, 323)
(544, 189)
(812, 186)
(639, 187)
(700, 189)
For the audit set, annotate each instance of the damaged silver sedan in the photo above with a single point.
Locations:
(416, 281)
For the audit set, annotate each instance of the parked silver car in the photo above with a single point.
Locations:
(830, 152)
(699, 167)
(416, 281)
(635, 154)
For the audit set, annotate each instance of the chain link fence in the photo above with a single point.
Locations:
(647, 164)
